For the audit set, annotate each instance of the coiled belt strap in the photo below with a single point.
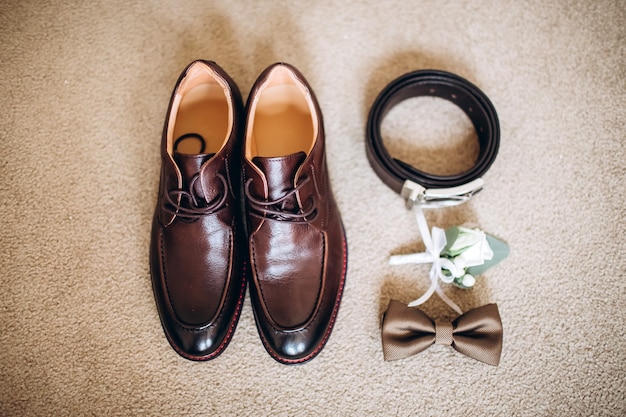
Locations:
(418, 186)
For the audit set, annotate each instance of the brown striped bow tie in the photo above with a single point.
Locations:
(407, 331)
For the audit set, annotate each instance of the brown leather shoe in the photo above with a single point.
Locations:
(197, 260)
(297, 244)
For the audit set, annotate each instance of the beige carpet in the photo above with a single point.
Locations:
(84, 89)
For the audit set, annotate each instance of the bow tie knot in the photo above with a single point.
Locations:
(407, 331)
(444, 333)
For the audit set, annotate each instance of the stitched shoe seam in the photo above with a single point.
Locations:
(178, 322)
(271, 320)
(331, 324)
(231, 329)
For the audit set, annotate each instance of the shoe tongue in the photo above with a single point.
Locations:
(279, 172)
(189, 165)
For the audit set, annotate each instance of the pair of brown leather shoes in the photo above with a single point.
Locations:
(246, 199)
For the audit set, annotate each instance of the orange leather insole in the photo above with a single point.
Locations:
(203, 110)
(283, 123)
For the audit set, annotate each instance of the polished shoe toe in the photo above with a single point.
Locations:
(198, 343)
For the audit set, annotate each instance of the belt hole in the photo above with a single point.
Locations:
(470, 109)
(453, 96)
(432, 91)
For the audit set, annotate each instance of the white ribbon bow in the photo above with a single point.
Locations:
(434, 245)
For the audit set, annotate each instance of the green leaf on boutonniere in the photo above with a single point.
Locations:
(452, 233)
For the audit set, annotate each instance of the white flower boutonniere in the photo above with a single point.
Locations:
(472, 252)
(458, 256)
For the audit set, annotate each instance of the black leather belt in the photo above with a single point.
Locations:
(418, 186)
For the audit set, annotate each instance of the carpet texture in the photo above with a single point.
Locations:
(85, 87)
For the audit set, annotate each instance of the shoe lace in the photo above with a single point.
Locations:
(187, 205)
(281, 208)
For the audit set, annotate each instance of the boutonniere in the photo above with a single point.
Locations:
(458, 255)
(472, 252)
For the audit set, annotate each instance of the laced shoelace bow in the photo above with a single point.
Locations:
(186, 204)
(280, 209)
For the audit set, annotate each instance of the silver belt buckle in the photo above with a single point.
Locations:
(414, 194)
